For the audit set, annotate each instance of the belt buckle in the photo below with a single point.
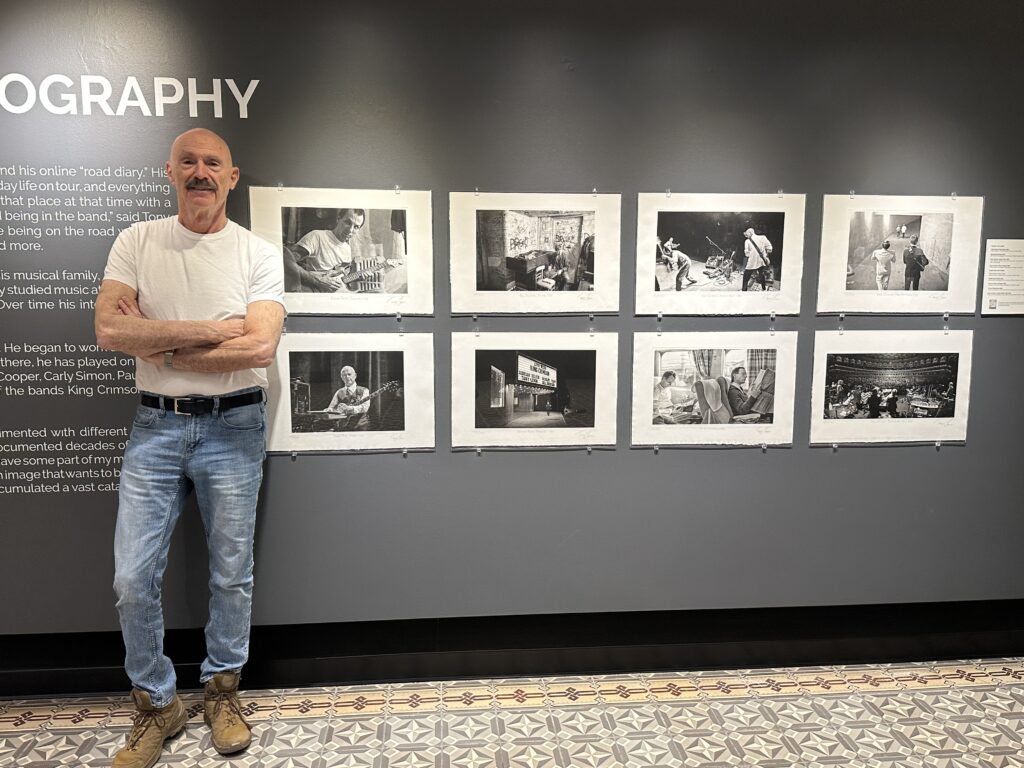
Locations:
(187, 401)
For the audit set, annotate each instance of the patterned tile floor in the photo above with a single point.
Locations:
(940, 715)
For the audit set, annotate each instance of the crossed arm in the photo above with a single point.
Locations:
(208, 346)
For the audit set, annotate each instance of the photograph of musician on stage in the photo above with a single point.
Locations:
(547, 388)
(713, 386)
(899, 252)
(346, 391)
(344, 250)
(890, 385)
(535, 250)
(719, 251)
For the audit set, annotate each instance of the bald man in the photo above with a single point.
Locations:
(199, 302)
(351, 400)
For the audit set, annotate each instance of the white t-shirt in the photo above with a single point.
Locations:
(755, 259)
(883, 261)
(662, 400)
(182, 275)
(326, 251)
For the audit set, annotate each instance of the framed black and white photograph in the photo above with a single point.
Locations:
(713, 388)
(534, 253)
(533, 389)
(350, 251)
(351, 392)
(719, 254)
(890, 386)
(899, 254)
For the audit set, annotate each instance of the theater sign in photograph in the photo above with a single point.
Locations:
(533, 389)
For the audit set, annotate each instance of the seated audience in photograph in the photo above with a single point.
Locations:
(890, 404)
(874, 404)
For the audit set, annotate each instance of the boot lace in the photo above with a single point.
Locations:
(227, 702)
(141, 723)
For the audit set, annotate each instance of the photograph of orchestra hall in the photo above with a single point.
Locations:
(535, 250)
(719, 251)
(346, 391)
(890, 385)
(713, 386)
(535, 388)
(344, 250)
(899, 252)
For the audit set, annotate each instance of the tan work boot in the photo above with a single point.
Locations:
(222, 712)
(153, 726)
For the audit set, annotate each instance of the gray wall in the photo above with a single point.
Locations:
(881, 97)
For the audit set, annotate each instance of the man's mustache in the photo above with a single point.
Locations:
(201, 184)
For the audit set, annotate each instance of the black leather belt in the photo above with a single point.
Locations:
(193, 406)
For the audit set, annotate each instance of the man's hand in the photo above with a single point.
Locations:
(324, 284)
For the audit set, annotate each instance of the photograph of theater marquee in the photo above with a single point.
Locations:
(544, 388)
(533, 389)
(890, 386)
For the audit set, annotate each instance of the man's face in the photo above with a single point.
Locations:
(669, 381)
(348, 376)
(740, 377)
(202, 174)
(347, 224)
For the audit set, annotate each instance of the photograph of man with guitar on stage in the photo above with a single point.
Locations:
(344, 250)
(719, 251)
(347, 391)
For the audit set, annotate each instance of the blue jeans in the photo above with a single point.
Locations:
(220, 455)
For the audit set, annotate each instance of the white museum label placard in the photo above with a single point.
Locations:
(1003, 291)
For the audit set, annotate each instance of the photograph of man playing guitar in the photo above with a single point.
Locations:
(324, 260)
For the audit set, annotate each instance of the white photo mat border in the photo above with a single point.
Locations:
(466, 299)
(779, 432)
(418, 391)
(784, 302)
(910, 430)
(965, 253)
(465, 433)
(266, 204)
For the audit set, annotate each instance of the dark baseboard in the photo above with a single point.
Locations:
(557, 644)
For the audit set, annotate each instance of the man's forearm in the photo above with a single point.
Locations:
(232, 355)
(142, 337)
